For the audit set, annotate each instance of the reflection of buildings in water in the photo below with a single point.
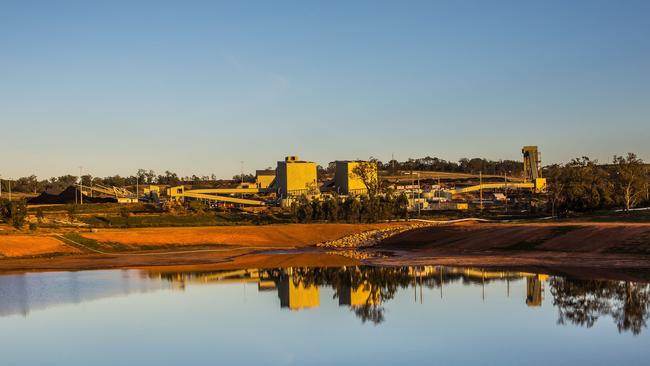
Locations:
(266, 285)
(535, 290)
(359, 296)
(24, 293)
(295, 295)
(534, 281)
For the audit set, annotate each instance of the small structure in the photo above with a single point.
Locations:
(296, 177)
(264, 178)
(147, 190)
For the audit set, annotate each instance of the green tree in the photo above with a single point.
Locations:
(331, 208)
(125, 212)
(303, 210)
(631, 181)
(39, 214)
(72, 212)
(351, 209)
(14, 212)
(401, 206)
(580, 185)
(316, 210)
(366, 171)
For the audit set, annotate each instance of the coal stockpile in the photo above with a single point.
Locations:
(69, 195)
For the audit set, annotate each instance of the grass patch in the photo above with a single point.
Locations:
(89, 208)
(93, 244)
(168, 220)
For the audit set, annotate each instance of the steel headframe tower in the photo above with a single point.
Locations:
(532, 163)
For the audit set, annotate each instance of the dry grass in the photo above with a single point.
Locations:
(291, 235)
(29, 245)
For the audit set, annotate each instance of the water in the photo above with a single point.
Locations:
(316, 316)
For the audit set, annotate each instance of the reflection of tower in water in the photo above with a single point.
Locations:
(295, 295)
(535, 290)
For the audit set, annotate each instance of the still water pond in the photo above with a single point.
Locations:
(319, 316)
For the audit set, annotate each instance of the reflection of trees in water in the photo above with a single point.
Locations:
(582, 302)
(579, 302)
(381, 284)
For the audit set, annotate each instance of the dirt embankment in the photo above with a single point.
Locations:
(281, 236)
(565, 237)
(580, 244)
(176, 246)
(568, 244)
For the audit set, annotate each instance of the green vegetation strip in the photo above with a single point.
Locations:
(91, 245)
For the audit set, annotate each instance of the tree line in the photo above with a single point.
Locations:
(464, 165)
(352, 209)
(32, 184)
(584, 185)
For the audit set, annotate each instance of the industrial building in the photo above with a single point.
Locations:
(293, 178)
(346, 181)
(296, 177)
(264, 178)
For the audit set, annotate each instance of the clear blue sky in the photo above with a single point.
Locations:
(198, 86)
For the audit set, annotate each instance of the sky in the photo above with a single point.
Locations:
(197, 87)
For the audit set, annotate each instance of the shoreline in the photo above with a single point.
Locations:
(582, 246)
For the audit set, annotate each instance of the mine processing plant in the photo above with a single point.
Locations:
(293, 178)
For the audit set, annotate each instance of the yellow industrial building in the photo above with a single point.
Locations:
(347, 181)
(295, 177)
(264, 178)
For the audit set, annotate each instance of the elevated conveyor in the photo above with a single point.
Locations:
(484, 186)
(179, 193)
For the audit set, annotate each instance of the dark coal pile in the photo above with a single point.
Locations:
(67, 196)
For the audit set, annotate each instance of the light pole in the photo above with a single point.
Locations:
(81, 186)
(241, 176)
(480, 179)
(419, 196)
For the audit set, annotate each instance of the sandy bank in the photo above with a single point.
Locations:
(291, 235)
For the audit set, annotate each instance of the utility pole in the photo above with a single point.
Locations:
(413, 189)
(137, 187)
(241, 177)
(9, 190)
(480, 180)
(0, 186)
(81, 185)
(505, 180)
(419, 196)
(439, 193)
